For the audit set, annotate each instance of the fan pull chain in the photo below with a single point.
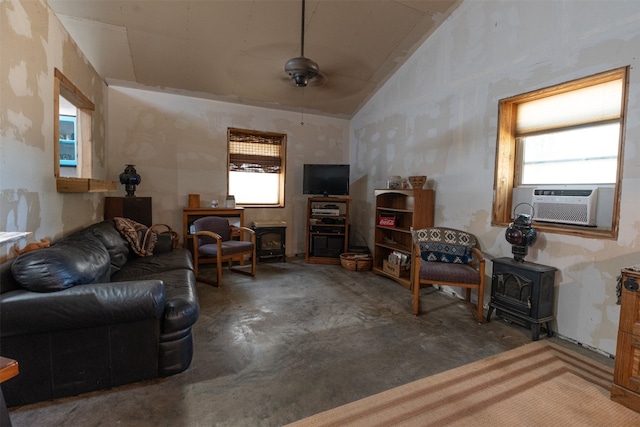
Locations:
(302, 109)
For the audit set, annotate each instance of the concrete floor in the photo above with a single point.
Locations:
(295, 340)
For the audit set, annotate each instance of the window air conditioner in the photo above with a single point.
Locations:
(565, 205)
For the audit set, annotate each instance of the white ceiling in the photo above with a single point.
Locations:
(236, 50)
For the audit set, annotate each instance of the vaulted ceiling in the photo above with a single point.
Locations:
(236, 50)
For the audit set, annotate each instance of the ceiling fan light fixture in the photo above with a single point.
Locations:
(301, 69)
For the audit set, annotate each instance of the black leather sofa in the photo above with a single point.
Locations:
(88, 314)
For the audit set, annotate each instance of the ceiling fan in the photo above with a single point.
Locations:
(302, 69)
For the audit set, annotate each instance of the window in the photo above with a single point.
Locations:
(574, 156)
(256, 167)
(72, 124)
(68, 147)
(570, 134)
(72, 130)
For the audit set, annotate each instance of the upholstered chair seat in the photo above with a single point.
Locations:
(444, 272)
(229, 247)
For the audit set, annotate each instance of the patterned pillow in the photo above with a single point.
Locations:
(444, 245)
(141, 238)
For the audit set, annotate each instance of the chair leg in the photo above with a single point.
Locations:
(254, 263)
(196, 270)
(219, 271)
(246, 271)
(477, 309)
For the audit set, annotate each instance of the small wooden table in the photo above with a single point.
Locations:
(8, 370)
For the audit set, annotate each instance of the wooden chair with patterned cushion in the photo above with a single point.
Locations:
(448, 257)
(213, 243)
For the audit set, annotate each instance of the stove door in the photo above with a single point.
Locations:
(271, 241)
(511, 291)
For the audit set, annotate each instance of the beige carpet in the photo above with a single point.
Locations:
(538, 384)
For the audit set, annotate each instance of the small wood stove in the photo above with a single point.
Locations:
(523, 292)
(270, 239)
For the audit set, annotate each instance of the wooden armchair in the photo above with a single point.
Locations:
(213, 244)
(448, 257)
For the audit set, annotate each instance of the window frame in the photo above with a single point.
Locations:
(283, 164)
(84, 111)
(507, 155)
(83, 182)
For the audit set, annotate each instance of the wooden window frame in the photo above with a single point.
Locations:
(83, 182)
(283, 163)
(506, 155)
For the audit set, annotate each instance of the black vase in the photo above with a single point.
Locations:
(130, 178)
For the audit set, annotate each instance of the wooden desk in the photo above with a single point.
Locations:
(235, 216)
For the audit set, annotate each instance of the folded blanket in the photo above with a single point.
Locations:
(141, 238)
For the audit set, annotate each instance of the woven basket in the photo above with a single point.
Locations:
(356, 262)
(417, 181)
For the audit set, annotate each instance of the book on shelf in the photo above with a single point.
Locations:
(398, 258)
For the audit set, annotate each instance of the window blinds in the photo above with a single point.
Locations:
(592, 104)
(249, 152)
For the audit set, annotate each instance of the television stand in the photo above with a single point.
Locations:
(327, 234)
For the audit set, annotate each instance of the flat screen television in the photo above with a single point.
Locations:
(326, 180)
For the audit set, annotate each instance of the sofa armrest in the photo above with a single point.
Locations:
(80, 307)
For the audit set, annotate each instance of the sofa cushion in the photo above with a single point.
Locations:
(77, 260)
(141, 267)
(116, 245)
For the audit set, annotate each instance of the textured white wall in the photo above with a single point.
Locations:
(179, 146)
(32, 44)
(438, 117)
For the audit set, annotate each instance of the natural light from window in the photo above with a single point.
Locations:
(256, 167)
(577, 156)
(254, 188)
